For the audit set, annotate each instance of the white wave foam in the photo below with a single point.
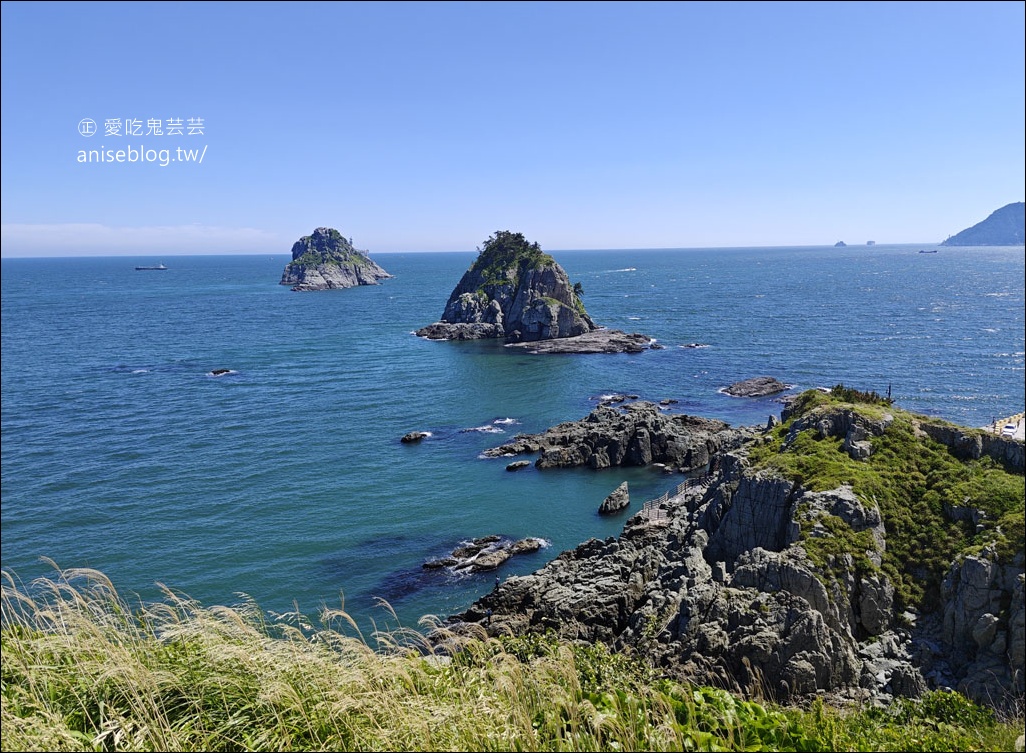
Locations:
(489, 429)
(506, 421)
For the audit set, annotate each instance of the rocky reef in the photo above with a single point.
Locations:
(515, 291)
(776, 583)
(635, 434)
(756, 387)
(484, 553)
(325, 260)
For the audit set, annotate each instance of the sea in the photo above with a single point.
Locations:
(282, 481)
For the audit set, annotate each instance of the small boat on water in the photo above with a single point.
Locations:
(158, 267)
(927, 251)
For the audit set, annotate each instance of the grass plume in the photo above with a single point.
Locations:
(82, 669)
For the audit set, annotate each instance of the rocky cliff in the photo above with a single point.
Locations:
(326, 260)
(1004, 227)
(774, 582)
(515, 291)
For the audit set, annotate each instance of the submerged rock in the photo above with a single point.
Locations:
(325, 260)
(597, 341)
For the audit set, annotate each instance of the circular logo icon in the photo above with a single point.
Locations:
(87, 127)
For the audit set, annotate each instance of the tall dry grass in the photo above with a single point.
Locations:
(82, 669)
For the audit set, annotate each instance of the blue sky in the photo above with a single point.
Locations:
(428, 126)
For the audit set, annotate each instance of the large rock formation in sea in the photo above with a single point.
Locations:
(1004, 227)
(753, 580)
(326, 260)
(515, 291)
(634, 434)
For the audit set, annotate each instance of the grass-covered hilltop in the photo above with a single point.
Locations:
(823, 587)
(326, 260)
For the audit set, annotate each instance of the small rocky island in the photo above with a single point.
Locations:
(756, 387)
(325, 260)
(515, 291)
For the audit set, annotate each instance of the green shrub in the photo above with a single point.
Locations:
(915, 481)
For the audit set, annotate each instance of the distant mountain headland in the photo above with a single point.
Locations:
(515, 291)
(1005, 227)
(326, 260)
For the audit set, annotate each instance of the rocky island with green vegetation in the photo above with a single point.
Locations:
(516, 292)
(847, 578)
(325, 260)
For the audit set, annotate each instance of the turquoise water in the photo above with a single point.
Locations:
(285, 479)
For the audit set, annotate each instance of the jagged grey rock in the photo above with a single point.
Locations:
(617, 500)
(325, 260)
(632, 434)
(756, 387)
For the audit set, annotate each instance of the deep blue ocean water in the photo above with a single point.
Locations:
(285, 479)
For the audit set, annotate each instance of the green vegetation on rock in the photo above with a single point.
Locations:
(84, 670)
(505, 251)
(915, 481)
(326, 246)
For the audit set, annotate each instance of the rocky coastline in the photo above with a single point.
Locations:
(714, 582)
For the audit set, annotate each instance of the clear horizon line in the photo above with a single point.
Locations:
(471, 251)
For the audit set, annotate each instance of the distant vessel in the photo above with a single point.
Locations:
(159, 266)
(925, 251)
(870, 243)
